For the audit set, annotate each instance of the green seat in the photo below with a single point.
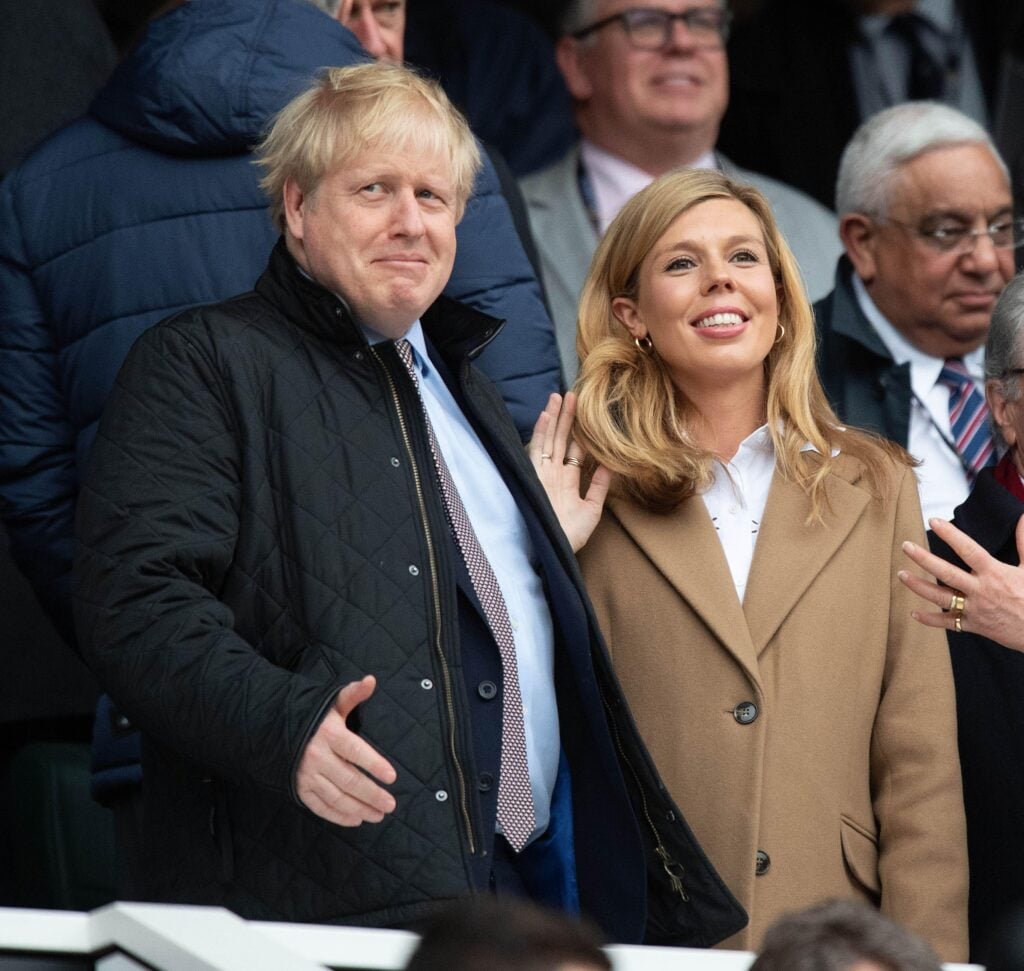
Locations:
(63, 841)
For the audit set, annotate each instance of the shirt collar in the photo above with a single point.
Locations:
(615, 181)
(416, 338)
(924, 369)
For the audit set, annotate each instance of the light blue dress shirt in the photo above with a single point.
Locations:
(505, 539)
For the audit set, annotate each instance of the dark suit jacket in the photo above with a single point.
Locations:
(793, 105)
(989, 682)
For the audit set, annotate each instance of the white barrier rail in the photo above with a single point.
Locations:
(178, 938)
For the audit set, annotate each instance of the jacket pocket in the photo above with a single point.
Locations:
(860, 854)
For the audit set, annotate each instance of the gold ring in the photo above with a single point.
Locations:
(957, 602)
(957, 623)
(572, 460)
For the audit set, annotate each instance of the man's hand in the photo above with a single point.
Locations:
(993, 592)
(558, 461)
(336, 776)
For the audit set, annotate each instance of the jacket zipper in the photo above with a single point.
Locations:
(673, 870)
(439, 649)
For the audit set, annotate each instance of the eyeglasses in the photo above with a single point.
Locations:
(1005, 233)
(650, 29)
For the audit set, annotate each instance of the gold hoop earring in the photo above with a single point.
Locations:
(644, 344)
(782, 333)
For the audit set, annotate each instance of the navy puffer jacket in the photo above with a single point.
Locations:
(150, 204)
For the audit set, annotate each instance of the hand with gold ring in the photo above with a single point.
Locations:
(558, 462)
(987, 598)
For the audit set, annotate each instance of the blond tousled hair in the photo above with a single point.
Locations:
(633, 419)
(351, 109)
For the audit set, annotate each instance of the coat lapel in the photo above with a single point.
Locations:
(790, 554)
(560, 224)
(686, 550)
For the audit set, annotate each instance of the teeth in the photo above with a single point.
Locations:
(720, 320)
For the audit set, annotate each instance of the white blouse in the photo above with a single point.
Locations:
(736, 500)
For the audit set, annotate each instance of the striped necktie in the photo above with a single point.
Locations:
(516, 813)
(968, 418)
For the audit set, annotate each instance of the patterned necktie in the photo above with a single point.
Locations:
(968, 417)
(515, 796)
(926, 79)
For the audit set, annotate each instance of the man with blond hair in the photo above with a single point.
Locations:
(152, 204)
(317, 569)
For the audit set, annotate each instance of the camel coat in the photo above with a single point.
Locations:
(810, 734)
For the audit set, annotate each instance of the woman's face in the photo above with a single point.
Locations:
(707, 298)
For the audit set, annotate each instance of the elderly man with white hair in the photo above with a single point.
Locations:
(926, 218)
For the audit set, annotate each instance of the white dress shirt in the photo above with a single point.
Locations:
(942, 481)
(615, 181)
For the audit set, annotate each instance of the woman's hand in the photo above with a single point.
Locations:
(558, 461)
(993, 592)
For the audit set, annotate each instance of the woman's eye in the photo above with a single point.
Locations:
(681, 263)
(745, 256)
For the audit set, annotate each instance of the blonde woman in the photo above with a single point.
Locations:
(744, 571)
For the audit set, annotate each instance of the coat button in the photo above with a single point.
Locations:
(745, 712)
(395, 463)
(441, 795)
(487, 690)
(484, 781)
(414, 570)
(426, 684)
(762, 863)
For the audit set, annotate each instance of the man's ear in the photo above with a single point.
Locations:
(295, 205)
(628, 314)
(569, 54)
(859, 235)
(1002, 411)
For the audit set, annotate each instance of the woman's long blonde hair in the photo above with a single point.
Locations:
(633, 419)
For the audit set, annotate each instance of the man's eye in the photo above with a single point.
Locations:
(705, 20)
(948, 232)
(372, 187)
(387, 13)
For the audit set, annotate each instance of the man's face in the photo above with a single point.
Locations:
(379, 26)
(380, 232)
(625, 93)
(941, 301)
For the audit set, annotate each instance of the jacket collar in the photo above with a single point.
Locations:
(848, 319)
(457, 331)
(685, 549)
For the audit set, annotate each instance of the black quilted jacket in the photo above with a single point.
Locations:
(254, 532)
